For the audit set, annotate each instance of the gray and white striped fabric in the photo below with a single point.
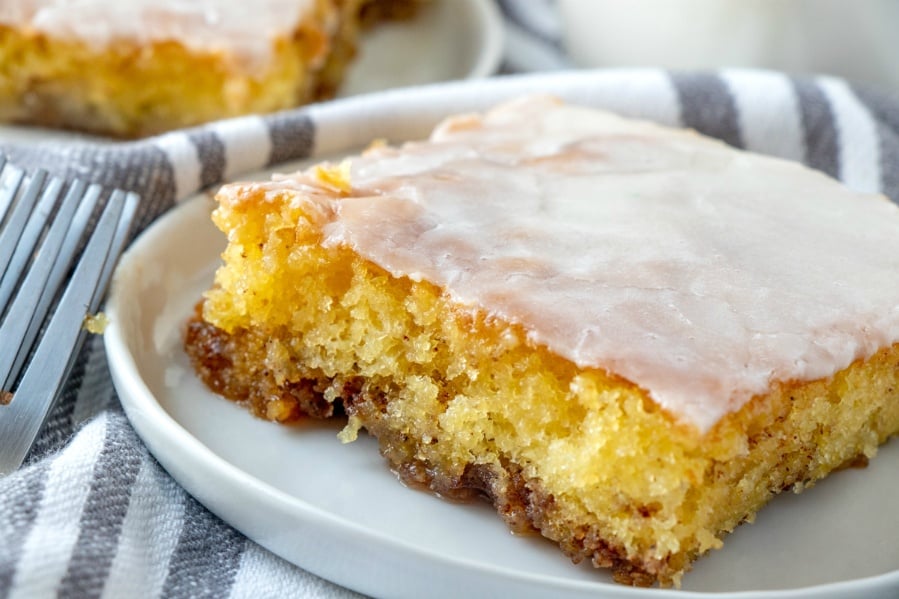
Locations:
(92, 514)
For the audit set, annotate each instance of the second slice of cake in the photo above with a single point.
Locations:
(627, 337)
(132, 68)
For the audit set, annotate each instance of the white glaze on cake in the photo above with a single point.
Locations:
(699, 272)
(240, 28)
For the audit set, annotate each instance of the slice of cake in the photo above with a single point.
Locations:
(137, 67)
(627, 337)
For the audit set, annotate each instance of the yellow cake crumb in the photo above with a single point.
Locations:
(96, 323)
(335, 177)
(350, 432)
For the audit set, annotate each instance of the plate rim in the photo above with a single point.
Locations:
(490, 23)
(143, 403)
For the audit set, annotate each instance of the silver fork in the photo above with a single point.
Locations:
(43, 301)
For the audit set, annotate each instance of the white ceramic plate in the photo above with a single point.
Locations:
(301, 493)
(447, 40)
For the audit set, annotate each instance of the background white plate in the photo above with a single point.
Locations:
(337, 511)
(447, 40)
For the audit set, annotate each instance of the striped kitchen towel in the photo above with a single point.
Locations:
(92, 514)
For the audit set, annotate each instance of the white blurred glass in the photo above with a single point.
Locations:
(857, 39)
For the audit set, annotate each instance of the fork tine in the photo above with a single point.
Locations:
(130, 201)
(21, 420)
(15, 228)
(10, 179)
(20, 236)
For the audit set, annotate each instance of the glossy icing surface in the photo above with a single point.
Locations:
(245, 29)
(698, 272)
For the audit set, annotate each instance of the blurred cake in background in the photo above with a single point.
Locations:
(138, 67)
